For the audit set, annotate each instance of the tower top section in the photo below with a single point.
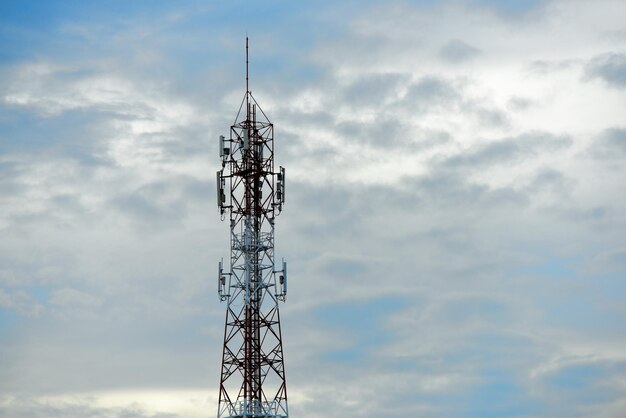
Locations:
(247, 86)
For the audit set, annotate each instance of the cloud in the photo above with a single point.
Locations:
(73, 298)
(159, 202)
(374, 89)
(610, 144)
(509, 151)
(511, 8)
(553, 182)
(593, 382)
(457, 51)
(610, 68)
(143, 404)
(430, 92)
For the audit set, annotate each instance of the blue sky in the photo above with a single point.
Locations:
(455, 209)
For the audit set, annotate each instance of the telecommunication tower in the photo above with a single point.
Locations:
(252, 382)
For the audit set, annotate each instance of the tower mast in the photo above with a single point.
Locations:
(252, 382)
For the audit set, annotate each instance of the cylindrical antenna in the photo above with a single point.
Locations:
(247, 89)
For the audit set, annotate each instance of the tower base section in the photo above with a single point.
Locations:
(256, 409)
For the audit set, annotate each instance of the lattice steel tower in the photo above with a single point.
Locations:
(252, 382)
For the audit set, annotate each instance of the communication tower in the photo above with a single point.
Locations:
(252, 382)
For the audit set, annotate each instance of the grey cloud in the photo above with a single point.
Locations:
(424, 138)
(374, 89)
(9, 172)
(611, 68)
(137, 348)
(591, 381)
(453, 189)
(457, 51)
(74, 298)
(509, 150)
(362, 50)
(552, 181)
(482, 310)
(602, 218)
(372, 215)
(547, 66)
(519, 103)
(430, 92)
(363, 220)
(149, 203)
(388, 130)
(611, 261)
(342, 267)
(496, 153)
(514, 10)
(333, 210)
(312, 119)
(20, 301)
(619, 256)
(164, 202)
(618, 36)
(295, 147)
(610, 144)
(380, 133)
(492, 117)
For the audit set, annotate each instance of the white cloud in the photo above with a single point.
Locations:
(138, 403)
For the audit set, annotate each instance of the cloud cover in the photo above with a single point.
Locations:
(455, 205)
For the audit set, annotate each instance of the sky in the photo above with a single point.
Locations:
(454, 221)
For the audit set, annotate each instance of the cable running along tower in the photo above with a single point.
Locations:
(252, 382)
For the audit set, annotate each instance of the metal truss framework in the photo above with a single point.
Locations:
(252, 382)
